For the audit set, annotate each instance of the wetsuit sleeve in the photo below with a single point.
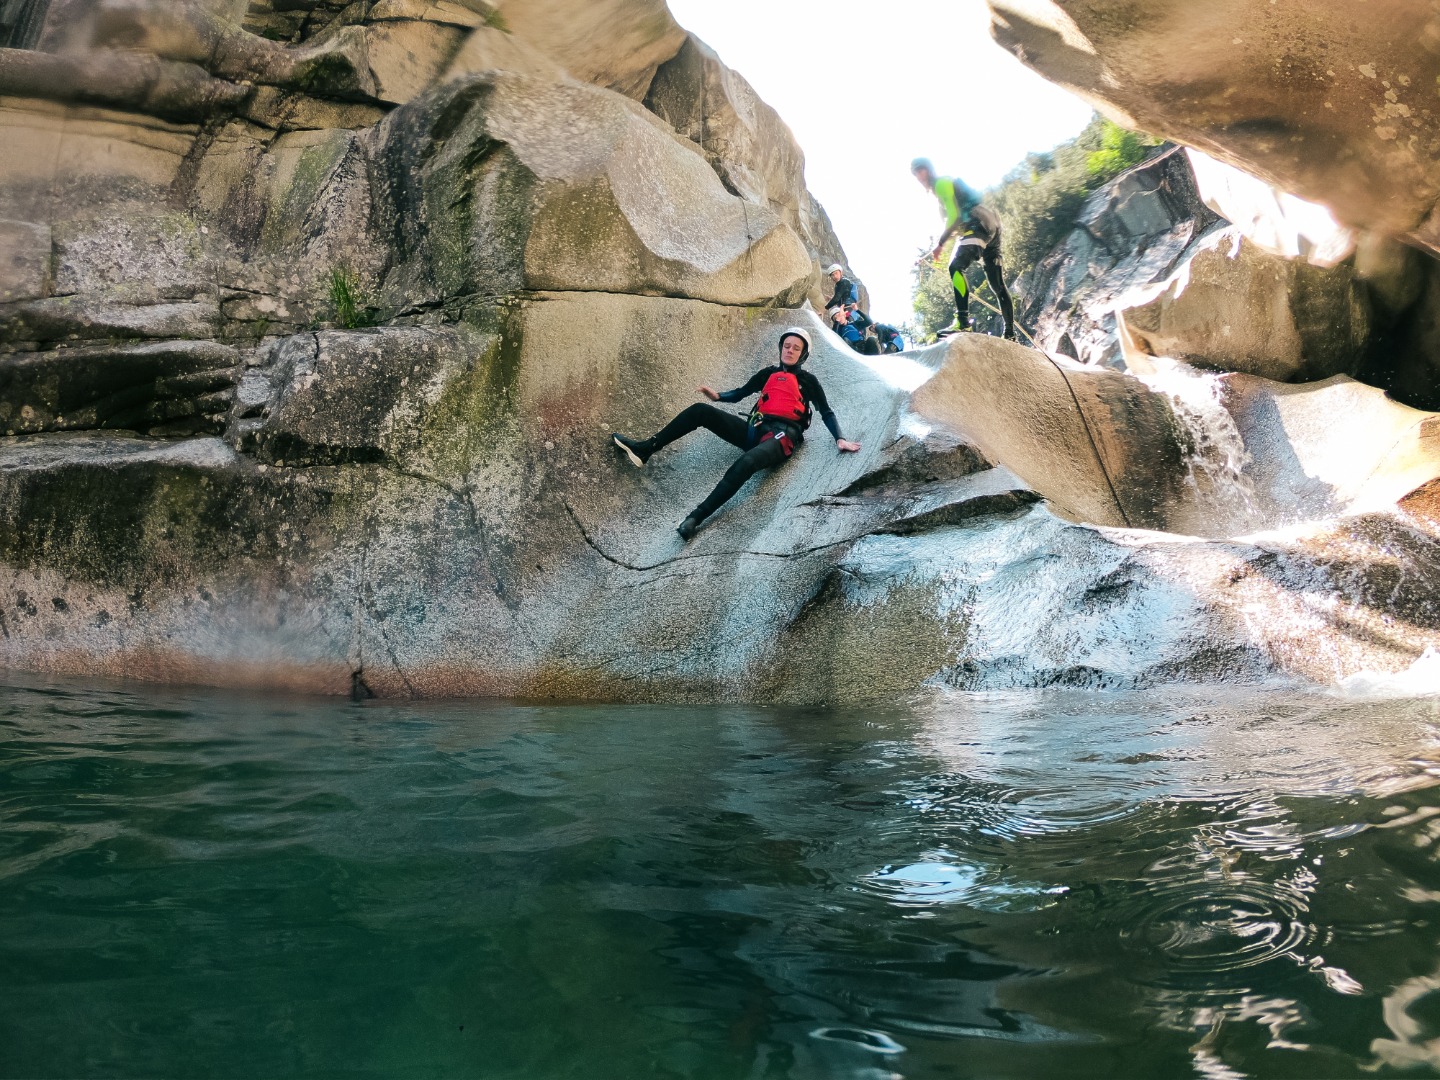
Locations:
(844, 293)
(757, 381)
(816, 393)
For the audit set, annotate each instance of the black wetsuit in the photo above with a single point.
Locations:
(760, 452)
(980, 239)
(845, 293)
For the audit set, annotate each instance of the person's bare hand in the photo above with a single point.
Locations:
(711, 394)
(847, 446)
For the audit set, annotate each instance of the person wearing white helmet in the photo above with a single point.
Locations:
(845, 291)
(768, 436)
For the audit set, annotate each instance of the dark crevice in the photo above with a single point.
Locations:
(745, 552)
(359, 689)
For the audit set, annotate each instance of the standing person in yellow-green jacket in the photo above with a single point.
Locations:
(979, 230)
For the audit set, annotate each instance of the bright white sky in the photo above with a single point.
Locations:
(866, 88)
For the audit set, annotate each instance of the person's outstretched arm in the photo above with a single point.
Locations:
(816, 393)
(757, 381)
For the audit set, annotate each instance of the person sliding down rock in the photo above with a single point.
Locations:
(771, 433)
(979, 229)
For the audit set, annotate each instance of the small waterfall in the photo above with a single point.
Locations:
(1217, 454)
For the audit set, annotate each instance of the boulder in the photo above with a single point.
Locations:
(406, 57)
(1101, 446)
(464, 13)
(485, 542)
(1330, 448)
(291, 218)
(748, 144)
(1180, 451)
(1233, 306)
(472, 531)
(504, 182)
(489, 48)
(149, 255)
(338, 397)
(1133, 233)
(1029, 600)
(1320, 99)
(98, 318)
(617, 44)
(119, 79)
(213, 470)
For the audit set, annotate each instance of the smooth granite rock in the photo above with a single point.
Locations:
(504, 182)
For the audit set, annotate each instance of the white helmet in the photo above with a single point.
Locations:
(833, 267)
(802, 334)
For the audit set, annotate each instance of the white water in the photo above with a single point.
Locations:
(1420, 678)
(1216, 468)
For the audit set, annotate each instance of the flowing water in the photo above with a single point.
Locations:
(1211, 883)
(1217, 457)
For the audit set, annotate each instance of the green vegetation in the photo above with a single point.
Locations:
(348, 301)
(1119, 149)
(1040, 199)
(496, 21)
(1038, 203)
(933, 300)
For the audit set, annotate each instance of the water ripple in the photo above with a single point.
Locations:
(936, 881)
(1212, 926)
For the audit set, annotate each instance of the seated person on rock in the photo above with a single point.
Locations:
(889, 338)
(845, 291)
(771, 433)
(853, 326)
(841, 324)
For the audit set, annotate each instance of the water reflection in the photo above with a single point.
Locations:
(1023, 885)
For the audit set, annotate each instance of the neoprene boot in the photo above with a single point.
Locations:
(689, 527)
(1010, 334)
(637, 450)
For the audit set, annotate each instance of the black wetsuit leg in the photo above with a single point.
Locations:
(765, 455)
(733, 429)
(995, 274)
(965, 255)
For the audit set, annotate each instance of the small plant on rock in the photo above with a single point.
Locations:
(348, 300)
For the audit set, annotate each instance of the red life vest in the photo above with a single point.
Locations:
(781, 399)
